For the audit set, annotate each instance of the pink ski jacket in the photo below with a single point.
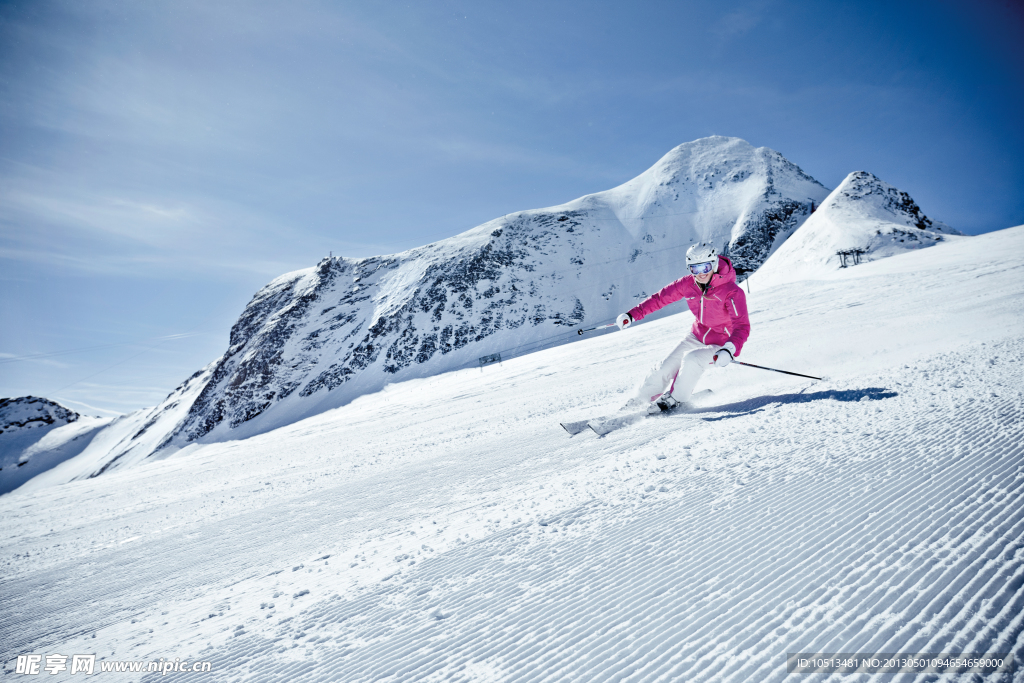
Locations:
(721, 310)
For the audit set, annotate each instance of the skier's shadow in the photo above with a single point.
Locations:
(759, 403)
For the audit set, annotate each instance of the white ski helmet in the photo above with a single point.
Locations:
(702, 253)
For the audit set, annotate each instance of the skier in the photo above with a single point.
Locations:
(717, 335)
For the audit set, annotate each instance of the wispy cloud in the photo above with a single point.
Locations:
(147, 224)
(741, 21)
(41, 359)
(93, 409)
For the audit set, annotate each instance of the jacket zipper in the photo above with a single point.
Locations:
(704, 339)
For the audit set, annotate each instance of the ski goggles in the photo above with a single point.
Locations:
(700, 268)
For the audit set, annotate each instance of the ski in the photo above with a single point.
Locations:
(602, 426)
(609, 423)
(575, 428)
(607, 426)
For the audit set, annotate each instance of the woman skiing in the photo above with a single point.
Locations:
(717, 335)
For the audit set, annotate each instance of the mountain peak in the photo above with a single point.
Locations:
(862, 186)
(864, 214)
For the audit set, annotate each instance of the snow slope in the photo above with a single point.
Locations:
(36, 435)
(864, 213)
(446, 528)
(318, 338)
(128, 439)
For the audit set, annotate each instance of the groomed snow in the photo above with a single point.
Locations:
(448, 529)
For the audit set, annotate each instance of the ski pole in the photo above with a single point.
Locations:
(599, 327)
(785, 372)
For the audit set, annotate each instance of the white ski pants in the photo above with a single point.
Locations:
(679, 372)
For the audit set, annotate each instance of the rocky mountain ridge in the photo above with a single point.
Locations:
(26, 412)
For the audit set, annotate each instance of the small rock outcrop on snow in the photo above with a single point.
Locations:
(865, 217)
(31, 412)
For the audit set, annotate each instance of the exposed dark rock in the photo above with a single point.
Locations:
(27, 412)
(759, 232)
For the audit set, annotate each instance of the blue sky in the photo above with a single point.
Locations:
(160, 161)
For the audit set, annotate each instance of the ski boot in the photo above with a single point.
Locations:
(664, 404)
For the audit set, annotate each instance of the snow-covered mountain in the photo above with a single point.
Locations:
(28, 414)
(864, 213)
(36, 434)
(317, 338)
